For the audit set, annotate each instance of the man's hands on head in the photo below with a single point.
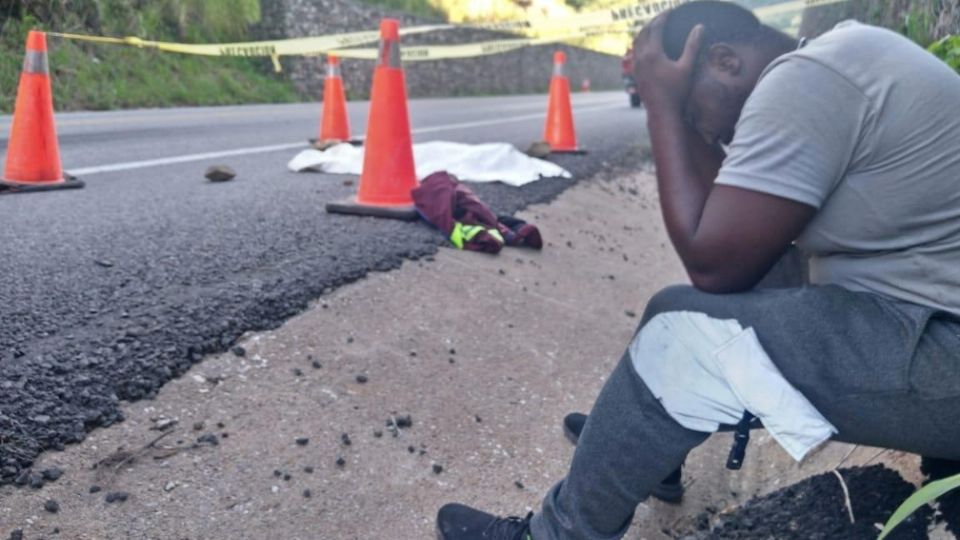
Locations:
(726, 237)
(662, 82)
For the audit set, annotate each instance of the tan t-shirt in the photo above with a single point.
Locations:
(863, 125)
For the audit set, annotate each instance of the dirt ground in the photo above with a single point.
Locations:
(484, 353)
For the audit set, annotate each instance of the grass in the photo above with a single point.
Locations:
(98, 77)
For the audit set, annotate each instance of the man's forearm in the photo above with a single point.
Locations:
(683, 185)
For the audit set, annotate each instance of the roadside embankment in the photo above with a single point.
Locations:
(292, 435)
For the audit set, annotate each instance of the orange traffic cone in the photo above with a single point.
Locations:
(334, 123)
(388, 170)
(559, 132)
(33, 155)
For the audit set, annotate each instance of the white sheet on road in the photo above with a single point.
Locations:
(492, 162)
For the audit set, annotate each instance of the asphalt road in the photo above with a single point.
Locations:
(110, 291)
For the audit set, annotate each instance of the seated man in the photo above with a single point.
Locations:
(848, 146)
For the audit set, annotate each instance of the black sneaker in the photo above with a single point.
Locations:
(459, 522)
(668, 491)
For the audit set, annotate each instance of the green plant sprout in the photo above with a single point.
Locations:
(923, 496)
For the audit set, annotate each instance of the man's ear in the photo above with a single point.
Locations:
(723, 58)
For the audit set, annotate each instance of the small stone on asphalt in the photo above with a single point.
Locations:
(307, 494)
(308, 469)
(316, 365)
(220, 173)
(239, 351)
(345, 439)
(362, 379)
(341, 462)
(95, 489)
(51, 506)
(437, 468)
(302, 441)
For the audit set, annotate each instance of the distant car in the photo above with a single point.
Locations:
(629, 84)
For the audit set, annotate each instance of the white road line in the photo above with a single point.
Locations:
(130, 165)
(183, 159)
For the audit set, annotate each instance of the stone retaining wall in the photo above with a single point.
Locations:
(526, 70)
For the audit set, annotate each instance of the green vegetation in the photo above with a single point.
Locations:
(948, 50)
(923, 496)
(92, 76)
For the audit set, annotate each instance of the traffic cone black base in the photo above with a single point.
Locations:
(9, 188)
(352, 207)
(316, 143)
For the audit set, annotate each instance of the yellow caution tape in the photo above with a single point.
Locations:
(416, 53)
(274, 49)
(617, 19)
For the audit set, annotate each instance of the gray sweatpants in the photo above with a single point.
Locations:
(885, 373)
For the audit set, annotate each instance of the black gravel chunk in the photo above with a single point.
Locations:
(209, 438)
(302, 441)
(36, 480)
(362, 379)
(345, 439)
(316, 365)
(117, 497)
(51, 506)
(16, 534)
(377, 433)
(437, 468)
(308, 469)
(401, 421)
(341, 462)
(95, 489)
(52, 474)
(519, 484)
(239, 351)
(287, 477)
(307, 494)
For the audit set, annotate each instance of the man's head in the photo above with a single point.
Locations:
(735, 48)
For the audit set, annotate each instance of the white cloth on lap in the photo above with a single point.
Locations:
(707, 372)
